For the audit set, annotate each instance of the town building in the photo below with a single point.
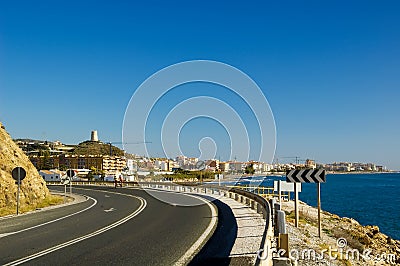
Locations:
(109, 165)
(50, 175)
(236, 167)
(310, 164)
(224, 166)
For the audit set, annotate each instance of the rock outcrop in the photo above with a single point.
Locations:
(374, 247)
(33, 187)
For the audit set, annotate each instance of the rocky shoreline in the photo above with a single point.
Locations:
(344, 241)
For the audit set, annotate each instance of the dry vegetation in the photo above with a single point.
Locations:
(50, 200)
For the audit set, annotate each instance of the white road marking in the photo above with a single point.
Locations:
(110, 210)
(52, 221)
(200, 241)
(142, 206)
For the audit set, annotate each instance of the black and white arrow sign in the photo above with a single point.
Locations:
(306, 176)
(65, 180)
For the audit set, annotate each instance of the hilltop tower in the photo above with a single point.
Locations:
(93, 136)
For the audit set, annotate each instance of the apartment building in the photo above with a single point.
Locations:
(110, 165)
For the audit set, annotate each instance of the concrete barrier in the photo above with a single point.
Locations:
(276, 208)
(272, 203)
(259, 208)
(281, 222)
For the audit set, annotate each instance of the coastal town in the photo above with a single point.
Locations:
(182, 133)
(52, 159)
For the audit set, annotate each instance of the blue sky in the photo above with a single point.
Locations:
(329, 69)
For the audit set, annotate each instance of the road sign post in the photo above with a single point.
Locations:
(296, 206)
(70, 174)
(18, 173)
(319, 208)
(66, 180)
(317, 176)
(201, 166)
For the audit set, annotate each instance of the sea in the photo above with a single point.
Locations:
(371, 199)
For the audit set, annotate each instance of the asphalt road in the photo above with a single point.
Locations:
(114, 226)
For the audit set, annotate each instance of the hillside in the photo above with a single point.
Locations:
(33, 188)
(96, 148)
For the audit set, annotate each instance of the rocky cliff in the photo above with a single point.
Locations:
(33, 188)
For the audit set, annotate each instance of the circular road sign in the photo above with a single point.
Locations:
(18, 173)
(65, 180)
(70, 173)
(201, 165)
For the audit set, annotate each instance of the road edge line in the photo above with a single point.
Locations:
(203, 239)
(84, 237)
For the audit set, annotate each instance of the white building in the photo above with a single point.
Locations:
(131, 164)
(267, 167)
(161, 165)
(50, 175)
(236, 166)
(224, 166)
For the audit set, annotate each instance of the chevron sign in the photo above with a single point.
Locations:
(306, 176)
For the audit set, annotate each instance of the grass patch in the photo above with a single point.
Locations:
(327, 231)
(290, 217)
(48, 201)
(303, 218)
(323, 246)
(346, 262)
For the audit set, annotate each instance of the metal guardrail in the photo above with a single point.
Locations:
(257, 202)
(266, 192)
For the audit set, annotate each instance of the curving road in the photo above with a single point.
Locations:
(113, 226)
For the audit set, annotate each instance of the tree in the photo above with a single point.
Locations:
(94, 170)
(249, 169)
(46, 163)
(90, 176)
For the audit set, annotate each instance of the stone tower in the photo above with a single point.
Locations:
(93, 136)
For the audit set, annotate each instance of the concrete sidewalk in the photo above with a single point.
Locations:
(243, 237)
